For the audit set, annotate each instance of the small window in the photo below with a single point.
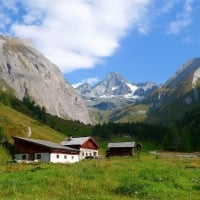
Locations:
(72, 157)
(24, 157)
(83, 154)
(57, 156)
(38, 156)
(65, 157)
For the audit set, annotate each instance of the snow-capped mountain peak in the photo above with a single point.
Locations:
(115, 88)
(115, 85)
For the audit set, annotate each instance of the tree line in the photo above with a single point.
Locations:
(174, 138)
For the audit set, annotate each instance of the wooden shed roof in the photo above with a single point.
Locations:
(45, 143)
(121, 144)
(77, 141)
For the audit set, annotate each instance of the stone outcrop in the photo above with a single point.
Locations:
(28, 72)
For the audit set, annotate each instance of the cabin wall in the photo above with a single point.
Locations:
(63, 158)
(125, 151)
(23, 147)
(44, 157)
(21, 156)
(84, 153)
(48, 157)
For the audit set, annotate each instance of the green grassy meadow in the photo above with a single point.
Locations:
(127, 178)
(105, 179)
(15, 123)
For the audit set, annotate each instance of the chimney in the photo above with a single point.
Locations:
(69, 138)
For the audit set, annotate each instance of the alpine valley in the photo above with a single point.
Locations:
(25, 72)
(34, 93)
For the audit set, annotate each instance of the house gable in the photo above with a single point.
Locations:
(87, 146)
(90, 144)
(81, 142)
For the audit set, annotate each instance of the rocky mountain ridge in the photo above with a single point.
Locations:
(114, 91)
(190, 68)
(180, 86)
(28, 72)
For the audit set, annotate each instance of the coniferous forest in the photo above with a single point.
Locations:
(182, 136)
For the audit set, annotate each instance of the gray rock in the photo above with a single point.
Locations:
(189, 71)
(27, 71)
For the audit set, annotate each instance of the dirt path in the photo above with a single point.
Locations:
(175, 154)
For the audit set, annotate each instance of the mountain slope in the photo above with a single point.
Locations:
(190, 69)
(178, 95)
(14, 123)
(29, 73)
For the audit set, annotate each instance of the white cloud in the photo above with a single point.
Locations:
(78, 34)
(183, 19)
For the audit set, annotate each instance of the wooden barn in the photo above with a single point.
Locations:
(86, 145)
(120, 149)
(27, 149)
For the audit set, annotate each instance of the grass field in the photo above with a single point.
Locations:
(106, 179)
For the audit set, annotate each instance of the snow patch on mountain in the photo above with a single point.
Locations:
(133, 88)
(114, 88)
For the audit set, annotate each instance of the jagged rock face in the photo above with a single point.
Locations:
(84, 88)
(28, 72)
(188, 72)
(113, 84)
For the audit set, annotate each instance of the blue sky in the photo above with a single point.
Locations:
(143, 40)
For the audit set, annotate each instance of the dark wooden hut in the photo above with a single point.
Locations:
(120, 149)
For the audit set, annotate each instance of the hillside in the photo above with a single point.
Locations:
(15, 123)
(179, 95)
